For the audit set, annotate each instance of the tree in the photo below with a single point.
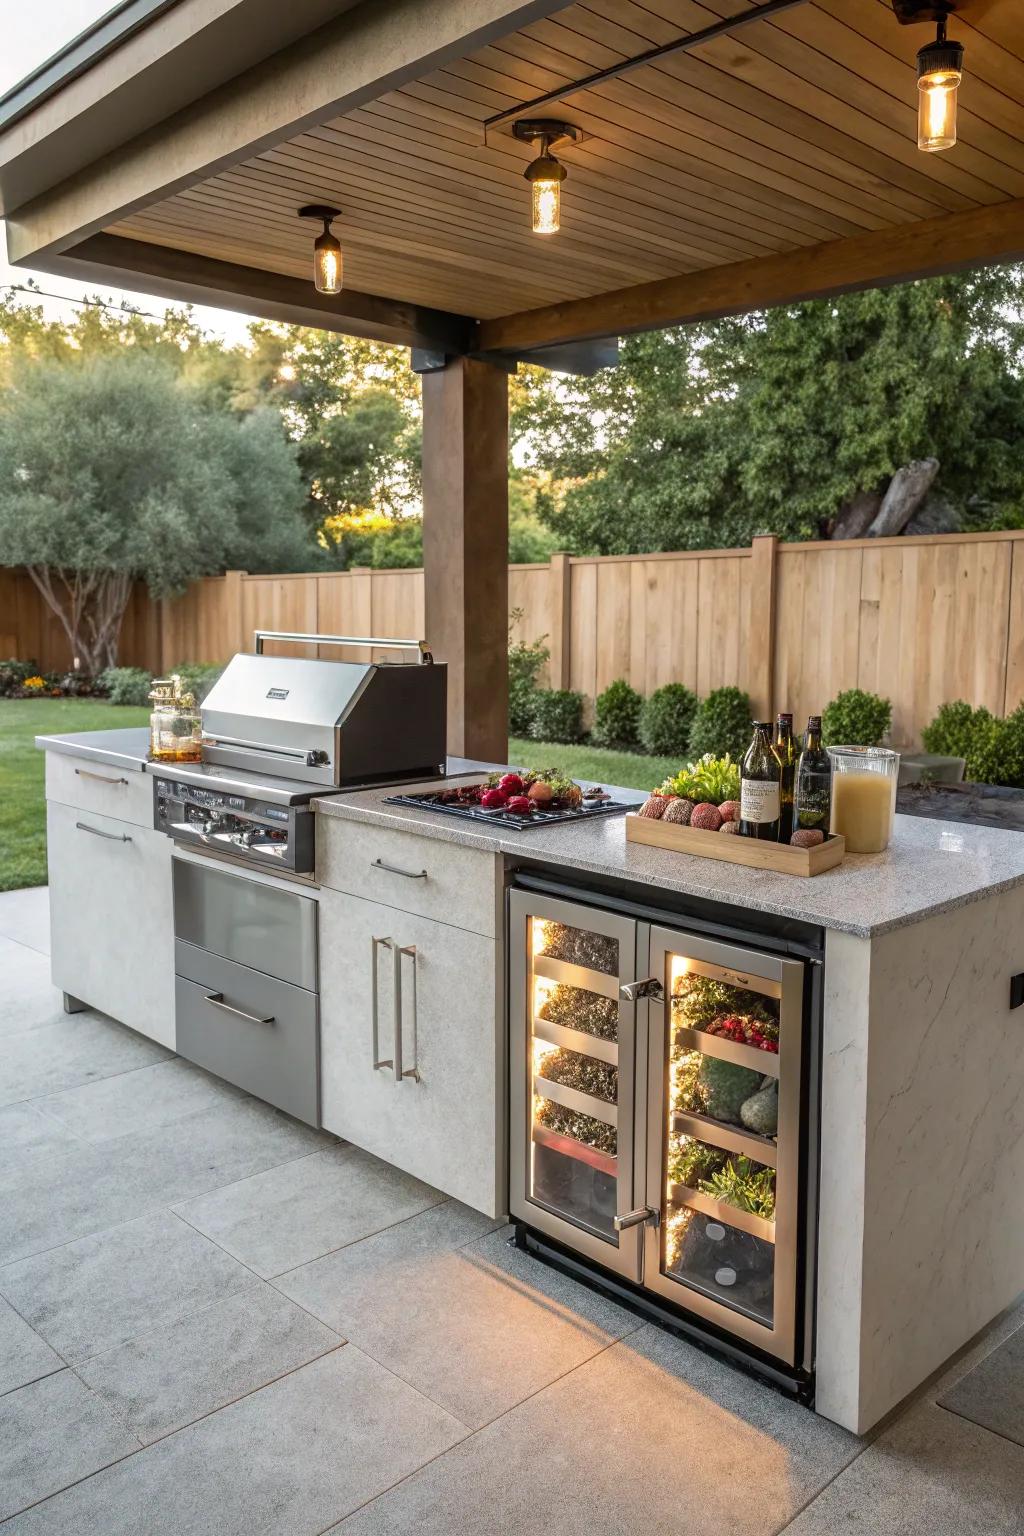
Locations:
(709, 434)
(114, 470)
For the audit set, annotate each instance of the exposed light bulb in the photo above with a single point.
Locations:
(939, 72)
(545, 175)
(328, 266)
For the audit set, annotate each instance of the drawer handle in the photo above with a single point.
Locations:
(393, 869)
(378, 1063)
(217, 999)
(413, 1071)
(101, 778)
(111, 837)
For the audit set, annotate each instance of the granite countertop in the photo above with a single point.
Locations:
(929, 867)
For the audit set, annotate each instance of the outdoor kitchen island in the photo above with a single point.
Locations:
(909, 1226)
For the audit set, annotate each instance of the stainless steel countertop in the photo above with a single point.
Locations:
(125, 749)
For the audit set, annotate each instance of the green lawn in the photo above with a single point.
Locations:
(627, 769)
(22, 801)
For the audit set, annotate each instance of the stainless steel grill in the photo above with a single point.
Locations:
(329, 723)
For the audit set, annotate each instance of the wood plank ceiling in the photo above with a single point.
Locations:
(789, 133)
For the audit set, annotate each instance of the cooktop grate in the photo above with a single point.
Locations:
(431, 802)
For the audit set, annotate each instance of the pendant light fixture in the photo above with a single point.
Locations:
(940, 67)
(328, 263)
(545, 174)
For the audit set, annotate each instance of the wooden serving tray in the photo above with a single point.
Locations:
(782, 857)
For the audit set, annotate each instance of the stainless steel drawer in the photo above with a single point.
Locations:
(257, 925)
(259, 1033)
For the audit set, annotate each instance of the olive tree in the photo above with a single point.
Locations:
(114, 470)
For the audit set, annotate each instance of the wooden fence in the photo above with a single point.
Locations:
(920, 620)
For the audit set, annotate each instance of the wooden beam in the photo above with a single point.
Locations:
(947, 244)
(169, 273)
(465, 548)
(368, 51)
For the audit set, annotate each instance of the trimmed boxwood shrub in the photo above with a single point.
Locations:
(666, 719)
(950, 733)
(722, 724)
(856, 719)
(126, 685)
(557, 715)
(617, 717)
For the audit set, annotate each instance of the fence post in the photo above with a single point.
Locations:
(560, 609)
(761, 646)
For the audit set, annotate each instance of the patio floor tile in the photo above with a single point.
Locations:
(992, 1394)
(24, 1356)
(51, 1434)
(650, 1437)
(26, 1133)
(287, 1460)
(71, 1194)
(25, 916)
(177, 1374)
(90, 1296)
(289, 1215)
(137, 1101)
(931, 1474)
(75, 1048)
(478, 1329)
(28, 998)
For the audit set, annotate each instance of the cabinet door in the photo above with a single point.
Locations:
(410, 1063)
(110, 918)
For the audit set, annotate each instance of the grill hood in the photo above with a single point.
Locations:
(330, 723)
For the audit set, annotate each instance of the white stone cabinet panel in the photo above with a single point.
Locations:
(95, 786)
(448, 1127)
(427, 875)
(110, 917)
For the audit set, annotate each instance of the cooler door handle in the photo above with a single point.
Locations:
(646, 1215)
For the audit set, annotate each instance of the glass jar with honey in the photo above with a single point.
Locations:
(175, 731)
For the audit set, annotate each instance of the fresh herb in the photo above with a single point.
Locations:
(690, 1161)
(745, 1185)
(584, 1073)
(710, 779)
(575, 1008)
(582, 1128)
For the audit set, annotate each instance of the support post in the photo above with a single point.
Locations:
(560, 608)
(465, 548)
(761, 649)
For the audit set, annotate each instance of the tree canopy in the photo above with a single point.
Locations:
(706, 435)
(116, 470)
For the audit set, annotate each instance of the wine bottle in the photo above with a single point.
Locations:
(761, 786)
(812, 803)
(785, 751)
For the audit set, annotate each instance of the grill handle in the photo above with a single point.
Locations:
(260, 635)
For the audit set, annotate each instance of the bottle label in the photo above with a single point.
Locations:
(759, 800)
(813, 801)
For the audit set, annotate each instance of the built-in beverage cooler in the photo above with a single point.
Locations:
(662, 1116)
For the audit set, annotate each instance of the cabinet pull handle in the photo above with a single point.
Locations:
(217, 999)
(393, 869)
(101, 778)
(111, 837)
(376, 944)
(414, 1070)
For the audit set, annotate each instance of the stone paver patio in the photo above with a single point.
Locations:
(213, 1319)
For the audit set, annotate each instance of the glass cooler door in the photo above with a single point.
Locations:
(723, 1149)
(572, 1076)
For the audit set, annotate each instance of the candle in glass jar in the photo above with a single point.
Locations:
(863, 805)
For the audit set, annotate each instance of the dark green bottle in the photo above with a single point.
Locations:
(761, 786)
(785, 751)
(812, 807)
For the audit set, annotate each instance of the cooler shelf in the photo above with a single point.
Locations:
(579, 1040)
(728, 1215)
(765, 1062)
(604, 1162)
(579, 1103)
(570, 975)
(761, 1149)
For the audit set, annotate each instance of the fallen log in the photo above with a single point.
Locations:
(907, 490)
